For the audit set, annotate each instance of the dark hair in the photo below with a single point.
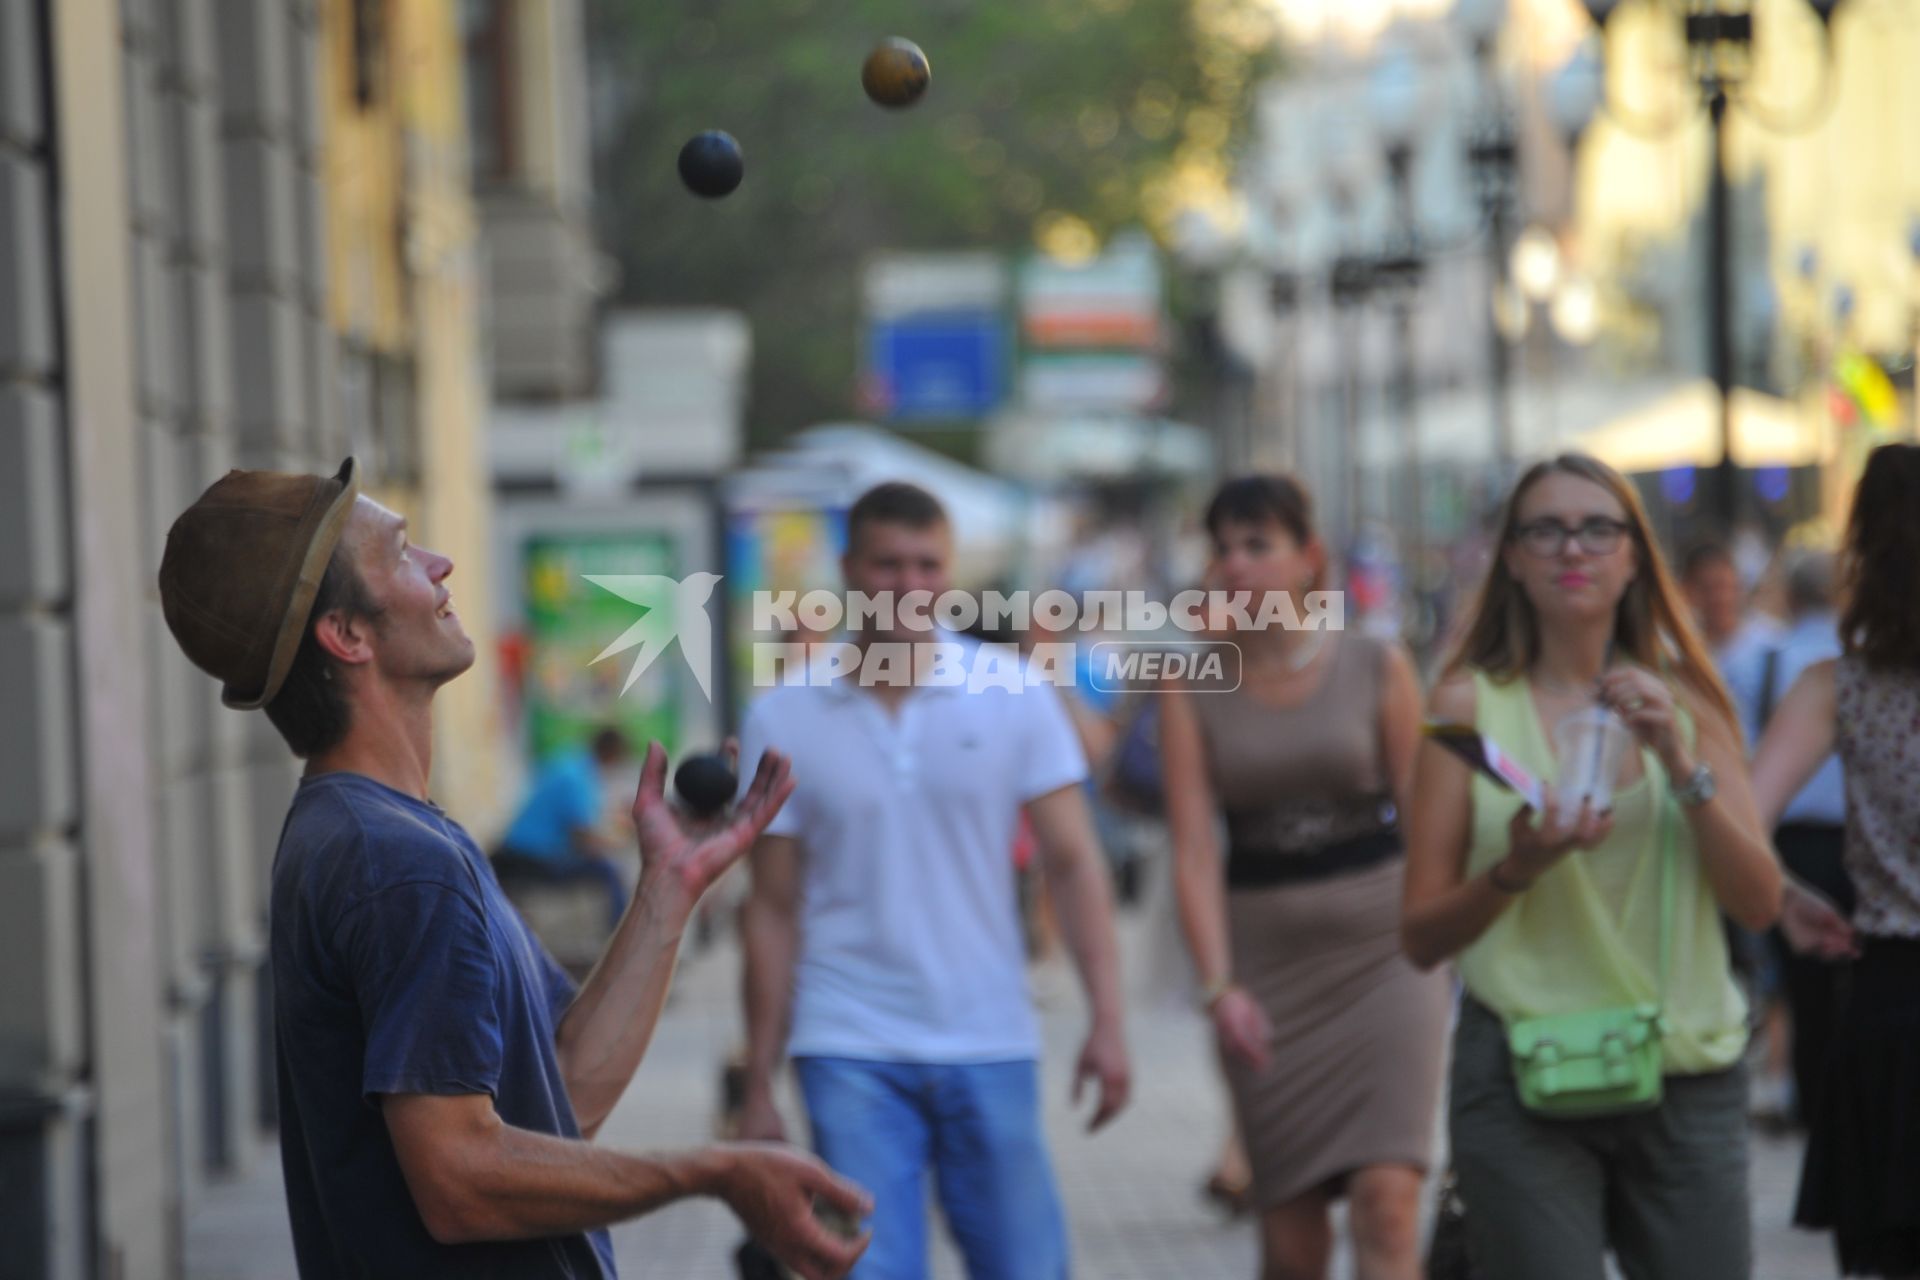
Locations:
(610, 745)
(1252, 499)
(1881, 562)
(311, 710)
(1650, 626)
(1701, 555)
(895, 502)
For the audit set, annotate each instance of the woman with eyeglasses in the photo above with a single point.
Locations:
(1332, 1043)
(1862, 1174)
(1625, 1129)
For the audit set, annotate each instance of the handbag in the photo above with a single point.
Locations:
(1600, 1062)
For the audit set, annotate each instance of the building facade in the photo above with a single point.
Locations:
(232, 234)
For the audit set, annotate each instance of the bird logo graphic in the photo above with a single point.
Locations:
(670, 609)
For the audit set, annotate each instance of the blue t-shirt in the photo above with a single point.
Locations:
(565, 797)
(1093, 693)
(1813, 638)
(399, 967)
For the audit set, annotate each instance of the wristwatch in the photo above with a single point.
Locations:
(1698, 788)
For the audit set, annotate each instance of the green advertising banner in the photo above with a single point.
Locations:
(570, 621)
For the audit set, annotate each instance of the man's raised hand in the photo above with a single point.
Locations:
(693, 854)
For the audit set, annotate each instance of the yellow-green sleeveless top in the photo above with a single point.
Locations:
(1586, 934)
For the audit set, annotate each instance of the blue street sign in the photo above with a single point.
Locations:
(936, 365)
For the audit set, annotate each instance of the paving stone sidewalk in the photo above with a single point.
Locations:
(1131, 1192)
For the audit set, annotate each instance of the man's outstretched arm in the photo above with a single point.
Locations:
(1076, 873)
(606, 1030)
(473, 1178)
(770, 934)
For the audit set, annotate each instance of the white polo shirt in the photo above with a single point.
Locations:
(910, 941)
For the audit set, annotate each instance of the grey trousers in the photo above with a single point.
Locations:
(1665, 1189)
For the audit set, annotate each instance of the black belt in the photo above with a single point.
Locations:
(1263, 868)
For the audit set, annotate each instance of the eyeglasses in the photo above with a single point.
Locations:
(1597, 536)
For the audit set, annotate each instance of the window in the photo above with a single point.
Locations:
(486, 27)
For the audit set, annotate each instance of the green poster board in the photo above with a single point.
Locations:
(570, 621)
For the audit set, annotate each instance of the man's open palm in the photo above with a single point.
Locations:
(693, 853)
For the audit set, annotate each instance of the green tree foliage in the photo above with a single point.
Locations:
(1041, 112)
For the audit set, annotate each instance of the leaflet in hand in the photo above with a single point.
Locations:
(1484, 754)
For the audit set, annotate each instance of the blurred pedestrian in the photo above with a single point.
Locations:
(1722, 607)
(1736, 634)
(1090, 708)
(1862, 1173)
(1810, 836)
(1332, 1042)
(1572, 917)
(559, 832)
(883, 943)
(440, 1079)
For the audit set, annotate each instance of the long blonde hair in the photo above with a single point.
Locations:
(1650, 625)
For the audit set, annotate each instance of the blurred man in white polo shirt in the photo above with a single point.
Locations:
(884, 949)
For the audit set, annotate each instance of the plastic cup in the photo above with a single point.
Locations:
(1590, 747)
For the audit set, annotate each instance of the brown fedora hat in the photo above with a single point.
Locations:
(241, 568)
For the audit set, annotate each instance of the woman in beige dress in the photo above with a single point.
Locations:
(1332, 1042)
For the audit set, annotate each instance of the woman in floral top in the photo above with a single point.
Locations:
(1862, 1173)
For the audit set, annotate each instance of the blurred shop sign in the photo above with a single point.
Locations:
(936, 337)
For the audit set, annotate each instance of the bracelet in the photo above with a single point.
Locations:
(1493, 878)
(1210, 995)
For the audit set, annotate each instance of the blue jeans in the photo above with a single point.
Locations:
(978, 1125)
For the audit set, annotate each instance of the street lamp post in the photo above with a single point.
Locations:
(1493, 154)
(1719, 40)
(1346, 173)
(1726, 480)
(1349, 283)
(1397, 273)
(1395, 101)
(1284, 294)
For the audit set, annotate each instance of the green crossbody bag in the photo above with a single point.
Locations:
(1599, 1062)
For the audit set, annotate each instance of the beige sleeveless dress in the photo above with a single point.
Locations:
(1314, 869)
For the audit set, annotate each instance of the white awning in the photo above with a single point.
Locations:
(1682, 429)
(834, 463)
(1632, 426)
